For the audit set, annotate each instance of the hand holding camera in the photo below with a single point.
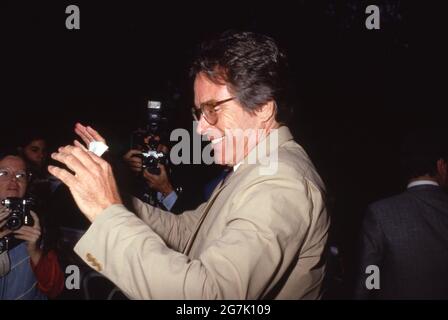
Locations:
(18, 213)
(31, 234)
(18, 222)
(150, 139)
(133, 159)
(159, 182)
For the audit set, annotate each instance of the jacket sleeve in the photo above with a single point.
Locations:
(175, 230)
(267, 222)
(370, 253)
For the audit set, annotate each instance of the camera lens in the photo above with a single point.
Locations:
(13, 223)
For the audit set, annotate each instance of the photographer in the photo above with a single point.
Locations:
(153, 182)
(28, 270)
(160, 183)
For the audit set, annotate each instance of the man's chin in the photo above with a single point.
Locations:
(219, 160)
(224, 162)
(220, 155)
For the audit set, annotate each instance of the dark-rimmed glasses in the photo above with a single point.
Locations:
(209, 110)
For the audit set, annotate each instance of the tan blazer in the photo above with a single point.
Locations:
(258, 237)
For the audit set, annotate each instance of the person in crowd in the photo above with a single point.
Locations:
(33, 148)
(29, 267)
(404, 238)
(158, 183)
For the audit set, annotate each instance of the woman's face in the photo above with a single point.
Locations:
(36, 152)
(13, 177)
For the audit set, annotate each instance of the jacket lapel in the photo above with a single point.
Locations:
(283, 135)
(204, 213)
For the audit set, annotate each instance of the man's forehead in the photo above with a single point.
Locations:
(206, 90)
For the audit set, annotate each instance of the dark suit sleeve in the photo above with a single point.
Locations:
(371, 249)
(186, 200)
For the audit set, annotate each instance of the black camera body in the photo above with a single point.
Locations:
(4, 243)
(145, 139)
(151, 160)
(8, 242)
(20, 213)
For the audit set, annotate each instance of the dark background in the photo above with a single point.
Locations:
(359, 90)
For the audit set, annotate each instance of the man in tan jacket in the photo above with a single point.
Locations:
(262, 233)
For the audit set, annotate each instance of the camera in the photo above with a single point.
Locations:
(151, 159)
(20, 214)
(155, 117)
(8, 242)
(4, 243)
(148, 139)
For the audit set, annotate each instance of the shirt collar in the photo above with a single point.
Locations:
(283, 135)
(422, 183)
(235, 167)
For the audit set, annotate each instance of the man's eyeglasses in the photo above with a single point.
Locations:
(7, 174)
(209, 110)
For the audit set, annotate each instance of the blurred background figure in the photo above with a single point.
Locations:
(33, 147)
(406, 236)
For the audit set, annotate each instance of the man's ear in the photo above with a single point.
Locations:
(267, 111)
(441, 165)
(442, 169)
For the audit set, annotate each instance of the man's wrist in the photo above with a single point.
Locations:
(94, 214)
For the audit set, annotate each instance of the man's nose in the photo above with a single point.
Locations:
(203, 126)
